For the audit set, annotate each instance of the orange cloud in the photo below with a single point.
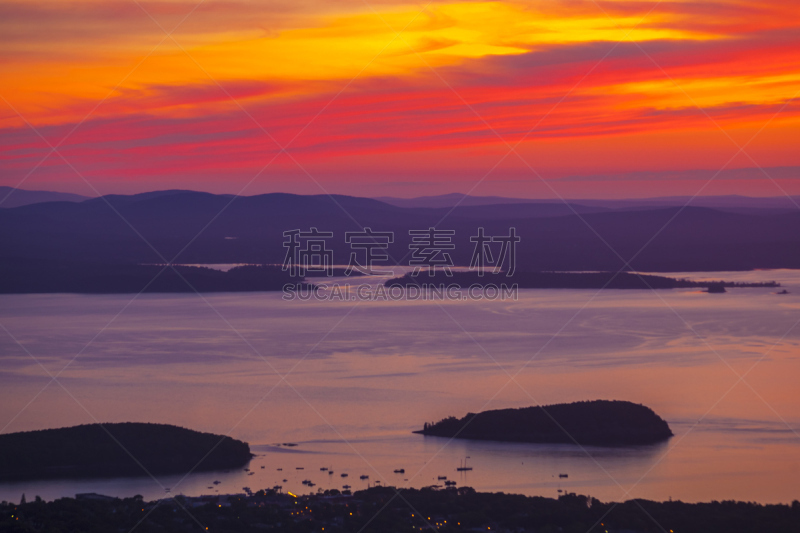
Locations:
(533, 71)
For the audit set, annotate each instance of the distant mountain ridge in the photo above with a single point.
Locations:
(12, 197)
(201, 228)
(728, 202)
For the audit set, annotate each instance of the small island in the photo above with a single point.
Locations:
(108, 450)
(568, 280)
(716, 288)
(597, 423)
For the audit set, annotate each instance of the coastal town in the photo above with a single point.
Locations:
(389, 509)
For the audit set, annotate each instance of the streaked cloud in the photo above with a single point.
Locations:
(461, 76)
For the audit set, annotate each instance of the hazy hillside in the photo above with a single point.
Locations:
(11, 197)
(729, 202)
(193, 227)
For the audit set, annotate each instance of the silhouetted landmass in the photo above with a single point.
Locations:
(731, 203)
(567, 280)
(37, 276)
(598, 422)
(380, 510)
(11, 197)
(47, 277)
(200, 228)
(108, 450)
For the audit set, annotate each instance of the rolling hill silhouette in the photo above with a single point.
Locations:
(200, 228)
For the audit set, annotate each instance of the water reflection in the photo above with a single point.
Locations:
(359, 385)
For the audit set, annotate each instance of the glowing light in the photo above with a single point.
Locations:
(383, 106)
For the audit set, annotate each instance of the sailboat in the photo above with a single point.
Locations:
(464, 467)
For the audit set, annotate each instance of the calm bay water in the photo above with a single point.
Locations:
(362, 376)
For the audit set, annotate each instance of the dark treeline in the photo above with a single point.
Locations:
(381, 510)
(565, 280)
(599, 422)
(109, 450)
(28, 276)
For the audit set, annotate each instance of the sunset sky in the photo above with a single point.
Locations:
(600, 99)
